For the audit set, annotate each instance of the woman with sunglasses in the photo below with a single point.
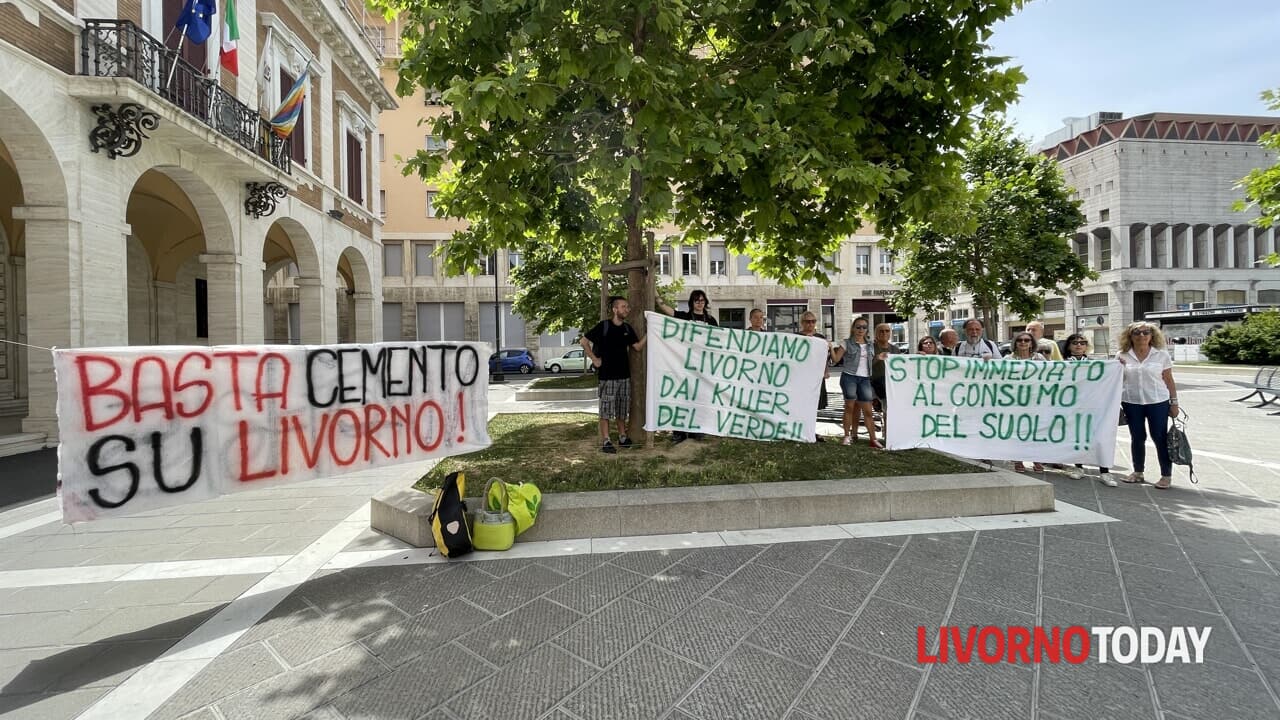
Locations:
(927, 346)
(1149, 397)
(1023, 347)
(857, 354)
(1077, 346)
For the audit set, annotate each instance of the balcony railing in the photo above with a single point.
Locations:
(118, 48)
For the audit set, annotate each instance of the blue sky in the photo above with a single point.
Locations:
(1140, 56)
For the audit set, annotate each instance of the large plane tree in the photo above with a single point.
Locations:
(780, 127)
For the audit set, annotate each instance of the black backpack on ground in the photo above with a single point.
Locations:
(449, 523)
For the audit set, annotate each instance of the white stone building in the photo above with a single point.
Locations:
(126, 176)
(1157, 192)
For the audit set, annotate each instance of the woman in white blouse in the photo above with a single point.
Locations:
(1149, 399)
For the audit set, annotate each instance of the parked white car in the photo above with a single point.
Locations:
(571, 360)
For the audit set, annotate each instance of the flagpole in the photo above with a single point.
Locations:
(177, 53)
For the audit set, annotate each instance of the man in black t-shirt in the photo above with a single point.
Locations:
(608, 345)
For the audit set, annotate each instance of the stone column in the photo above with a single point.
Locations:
(311, 297)
(366, 318)
(165, 305)
(1095, 251)
(1251, 246)
(222, 273)
(1148, 248)
(1210, 248)
(1167, 242)
(1189, 243)
(1120, 250)
(1231, 260)
(77, 296)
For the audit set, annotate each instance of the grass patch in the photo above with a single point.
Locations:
(559, 452)
(572, 380)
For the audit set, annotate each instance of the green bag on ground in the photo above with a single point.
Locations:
(524, 502)
(493, 528)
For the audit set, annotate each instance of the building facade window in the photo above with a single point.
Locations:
(1104, 215)
(382, 204)
(689, 260)
(785, 318)
(862, 260)
(735, 318)
(1187, 297)
(297, 138)
(1055, 305)
(886, 262)
(435, 143)
(664, 260)
(392, 259)
(489, 265)
(1269, 297)
(441, 321)
(717, 262)
(392, 315)
(744, 266)
(513, 259)
(382, 148)
(431, 203)
(1231, 297)
(423, 264)
(1104, 253)
(355, 168)
(1095, 300)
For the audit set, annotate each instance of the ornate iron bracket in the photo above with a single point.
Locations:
(121, 130)
(263, 198)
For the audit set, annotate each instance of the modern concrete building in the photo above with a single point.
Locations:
(1157, 192)
(143, 199)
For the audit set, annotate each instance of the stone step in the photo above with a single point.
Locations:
(402, 513)
(19, 443)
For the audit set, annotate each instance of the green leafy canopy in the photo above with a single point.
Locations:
(1006, 242)
(1262, 185)
(779, 127)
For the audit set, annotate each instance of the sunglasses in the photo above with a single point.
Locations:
(1140, 332)
(1079, 342)
(859, 327)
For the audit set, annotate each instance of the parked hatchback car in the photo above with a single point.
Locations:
(572, 360)
(518, 360)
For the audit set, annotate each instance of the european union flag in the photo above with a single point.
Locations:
(195, 18)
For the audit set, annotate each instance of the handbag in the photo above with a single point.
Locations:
(524, 500)
(1179, 446)
(493, 529)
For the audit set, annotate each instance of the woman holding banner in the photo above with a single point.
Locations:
(855, 381)
(884, 347)
(1024, 348)
(1149, 397)
(1077, 350)
(699, 311)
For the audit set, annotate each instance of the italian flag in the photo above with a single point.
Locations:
(230, 34)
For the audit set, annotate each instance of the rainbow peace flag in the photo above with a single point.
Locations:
(291, 107)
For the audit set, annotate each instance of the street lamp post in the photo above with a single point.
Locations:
(497, 375)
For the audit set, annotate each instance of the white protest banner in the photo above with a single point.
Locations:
(147, 427)
(732, 383)
(1062, 412)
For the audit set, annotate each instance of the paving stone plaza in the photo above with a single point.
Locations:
(282, 603)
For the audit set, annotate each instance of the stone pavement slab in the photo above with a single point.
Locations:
(771, 629)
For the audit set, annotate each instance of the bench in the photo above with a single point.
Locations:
(1259, 386)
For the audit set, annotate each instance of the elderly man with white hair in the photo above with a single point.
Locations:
(1036, 328)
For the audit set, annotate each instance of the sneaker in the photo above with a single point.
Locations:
(608, 448)
(1108, 480)
(1075, 473)
(625, 442)
(847, 440)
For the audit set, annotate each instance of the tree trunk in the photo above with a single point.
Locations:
(638, 294)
